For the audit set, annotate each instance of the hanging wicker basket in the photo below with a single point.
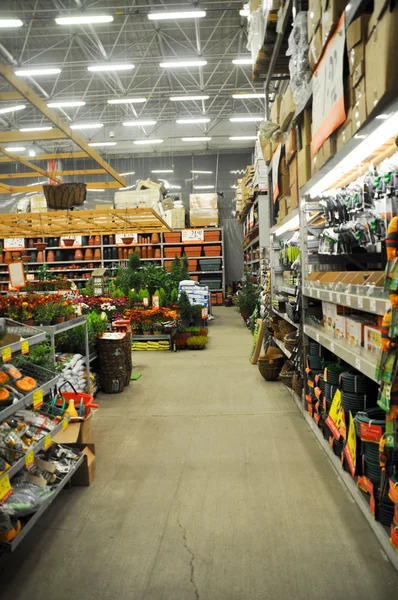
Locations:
(127, 240)
(65, 195)
(40, 246)
(68, 241)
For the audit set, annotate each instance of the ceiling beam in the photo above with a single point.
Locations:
(97, 185)
(7, 96)
(31, 174)
(59, 155)
(51, 115)
(31, 136)
(5, 189)
(28, 164)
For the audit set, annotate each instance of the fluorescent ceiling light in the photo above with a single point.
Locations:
(128, 187)
(183, 63)
(163, 171)
(246, 119)
(244, 96)
(167, 15)
(142, 142)
(111, 67)
(86, 125)
(203, 138)
(244, 12)
(291, 225)
(69, 104)
(15, 148)
(98, 144)
(188, 98)
(25, 129)
(203, 172)
(365, 149)
(84, 20)
(129, 173)
(193, 121)
(241, 138)
(32, 153)
(127, 100)
(203, 187)
(9, 109)
(38, 71)
(99, 190)
(143, 123)
(243, 61)
(8, 23)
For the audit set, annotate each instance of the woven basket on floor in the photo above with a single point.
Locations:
(113, 364)
(297, 384)
(287, 373)
(65, 195)
(270, 364)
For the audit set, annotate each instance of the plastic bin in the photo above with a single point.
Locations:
(210, 264)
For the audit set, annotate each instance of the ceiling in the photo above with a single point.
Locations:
(218, 38)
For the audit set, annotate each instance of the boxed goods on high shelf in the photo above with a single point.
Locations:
(203, 210)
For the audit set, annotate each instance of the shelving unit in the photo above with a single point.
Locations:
(282, 346)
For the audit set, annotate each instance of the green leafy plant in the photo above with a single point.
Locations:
(246, 299)
(174, 295)
(197, 342)
(184, 307)
(118, 293)
(39, 355)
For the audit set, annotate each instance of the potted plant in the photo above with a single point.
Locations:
(43, 313)
(181, 337)
(157, 328)
(59, 314)
(146, 327)
(197, 342)
(70, 312)
(185, 309)
(27, 314)
(246, 299)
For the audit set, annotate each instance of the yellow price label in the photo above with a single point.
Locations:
(65, 424)
(25, 347)
(37, 398)
(47, 442)
(29, 459)
(5, 488)
(6, 354)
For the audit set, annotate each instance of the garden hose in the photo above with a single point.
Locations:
(372, 416)
(319, 351)
(355, 383)
(333, 373)
(330, 391)
(385, 511)
(357, 402)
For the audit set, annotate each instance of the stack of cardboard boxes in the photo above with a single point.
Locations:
(260, 179)
(203, 210)
(245, 191)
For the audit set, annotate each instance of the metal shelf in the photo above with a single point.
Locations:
(36, 336)
(288, 289)
(60, 327)
(28, 399)
(282, 347)
(11, 546)
(203, 272)
(198, 243)
(290, 217)
(17, 466)
(252, 242)
(376, 306)
(152, 336)
(357, 357)
(286, 317)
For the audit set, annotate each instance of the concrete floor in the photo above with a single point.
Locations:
(209, 486)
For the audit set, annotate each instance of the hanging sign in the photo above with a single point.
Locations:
(155, 302)
(14, 244)
(191, 236)
(77, 243)
(205, 312)
(370, 433)
(328, 90)
(17, 274)
(275, 169)
(119, 241)
(335, 416)
(350, 449)
(145, 301)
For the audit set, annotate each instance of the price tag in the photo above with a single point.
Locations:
(6, 354)
(330, 296)
(14, 244)
(332, 347)
(47, 441)
(348, 300)
(192, 235)
(25, 347)
(29, 459)
(5, 488)
(328, 90)
(65, 424)
(373, 304)
(360, 302)
(205, 312)
(37, 399)
(317, 336)
(337, 298)
(358, 364)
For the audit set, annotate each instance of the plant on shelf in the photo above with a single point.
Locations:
(146, 327)
(42, 272)
(43, 314)
(157, 327)
(39, 355)
(27, 314)
(181, 337)
(69, 310)
(197, 342)
(185, 309)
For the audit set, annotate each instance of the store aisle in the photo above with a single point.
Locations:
(209, 486)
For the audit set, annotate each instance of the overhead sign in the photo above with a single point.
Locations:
(328, 90)
(14, 244)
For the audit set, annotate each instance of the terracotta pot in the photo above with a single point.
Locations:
(155, 238)
(68, 241)
(25, 258)
(120, 253)
(29, 322)
(31, 243)
(125, 253)
(78, 255)
(97, 240)
(59, 320)
(2, 258)
(150, 252)
(144, 252)
(97, 254)
(50, 257)
(111, 240)
(41, 245)
(157, 253)
(71, 317)
(127, 240)
(40, 257)
(88, 254)
(91, 241)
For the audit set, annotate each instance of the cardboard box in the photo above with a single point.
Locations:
(372, 338)
(357, 31)
(355, 330)
(87, 470)
(80, 432)
(253, 5)
(204, 218)
(287, 109)
(304, 166)
(379, 7)
(293, 171)
(331, 13)
(38, 204)
(283, 178)
(266, 148)
(328, 148)
(313, 17)
(344, 132)
(359, 114)
(291, 145)
(282, 213)
(315, 49)
(294, 196)
(359, 90)
(340, 324)
(275, 109)
(305, 129)
(358, 73)
(203, 201)
(380, 59)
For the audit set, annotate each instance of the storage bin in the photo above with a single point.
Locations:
(172, 251)
(212, 250)
(212, 283)
(210, 265)
(193, 250)
(212, 236)
(172, 238)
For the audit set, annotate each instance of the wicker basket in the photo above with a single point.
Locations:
(297, 384)
(290, 341)
(287, 373)
(270, 372)
(65, 195)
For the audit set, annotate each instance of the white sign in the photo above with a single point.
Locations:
(328, 90)
(14, 243)
(192, 235)
(119, 236)
(275, 168)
